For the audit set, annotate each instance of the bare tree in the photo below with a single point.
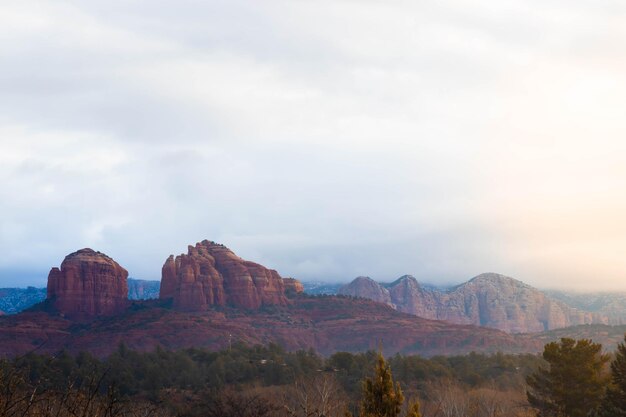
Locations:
(320, 396)
(231, 403)
(447, 399)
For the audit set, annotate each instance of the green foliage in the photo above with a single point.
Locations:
(147, 374)
(381, 397)
(191, 380)
(614, 403)
(574, 382)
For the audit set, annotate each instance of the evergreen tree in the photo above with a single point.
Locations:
(614, 403)
(414, 410)
(381, 397)
(573, 384)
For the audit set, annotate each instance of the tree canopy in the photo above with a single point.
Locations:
(573, 384)
(614, 403)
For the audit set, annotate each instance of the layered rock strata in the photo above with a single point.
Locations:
(88, 283)
(211, 274)
(490, 300)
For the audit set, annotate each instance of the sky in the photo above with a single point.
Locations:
(323, 139)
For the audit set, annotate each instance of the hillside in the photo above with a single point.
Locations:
(326, 324)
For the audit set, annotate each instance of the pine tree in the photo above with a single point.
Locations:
(614, 403)
(381, 398)
(573, 384)
(414, 410)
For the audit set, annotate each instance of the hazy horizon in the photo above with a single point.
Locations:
(39, 282)
(325, 140)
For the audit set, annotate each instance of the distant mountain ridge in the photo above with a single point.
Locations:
(489, 300)
(143, 289)
(14, 300)
(609, 304)
(320, 287)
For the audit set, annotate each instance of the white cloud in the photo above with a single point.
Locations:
(328, 139)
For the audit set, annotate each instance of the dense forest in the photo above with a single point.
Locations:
(259, 381)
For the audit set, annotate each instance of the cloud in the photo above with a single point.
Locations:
(327, 139)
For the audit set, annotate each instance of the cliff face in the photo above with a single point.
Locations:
(489, 300)
(211, 274)
(89, 283)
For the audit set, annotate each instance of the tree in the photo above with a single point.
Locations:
(614, 403)
(449, 399)
(383, 398)
(318, 396)
(574, 382)
(414, 410)
(230, 403)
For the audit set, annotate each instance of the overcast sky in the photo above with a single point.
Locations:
(324, 139)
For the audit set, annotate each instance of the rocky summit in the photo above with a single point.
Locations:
(89, 283)
(211, 274)
(490, 300)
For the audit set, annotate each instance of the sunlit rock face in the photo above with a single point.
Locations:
(490, 300)
(211, 274)
(88, 283)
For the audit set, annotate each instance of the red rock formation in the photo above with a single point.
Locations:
(293, 286)
(89, 283)
(489, 300)
(365, 287)
(409, 296)
(211, 274)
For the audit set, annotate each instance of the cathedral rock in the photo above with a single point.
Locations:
(211, 274)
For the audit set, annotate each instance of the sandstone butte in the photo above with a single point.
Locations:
(210, 274)
(88, 284)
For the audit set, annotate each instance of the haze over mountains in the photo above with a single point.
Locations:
(490, 300)
(609, 304)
